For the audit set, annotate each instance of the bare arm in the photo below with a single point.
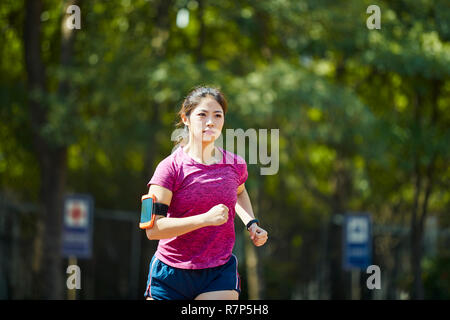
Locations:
(164, 227)
(244, 206)
(245, 211)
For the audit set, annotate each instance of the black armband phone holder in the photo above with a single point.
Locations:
(149, 209)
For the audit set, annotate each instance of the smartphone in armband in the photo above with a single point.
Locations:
(147, 214)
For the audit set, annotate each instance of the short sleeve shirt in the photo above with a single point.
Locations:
(196, 188)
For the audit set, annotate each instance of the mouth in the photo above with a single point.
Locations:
(208, 131)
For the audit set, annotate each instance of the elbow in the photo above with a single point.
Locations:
(153, 233)
(150, 234)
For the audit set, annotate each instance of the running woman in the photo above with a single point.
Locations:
(204, 187)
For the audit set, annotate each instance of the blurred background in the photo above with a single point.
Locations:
(363, 118)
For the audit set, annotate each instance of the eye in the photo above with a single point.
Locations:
(218, 115)
(201, 114)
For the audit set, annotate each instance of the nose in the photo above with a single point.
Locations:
(209, 122)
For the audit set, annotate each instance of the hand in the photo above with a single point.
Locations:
(217, 215)
(258, 235)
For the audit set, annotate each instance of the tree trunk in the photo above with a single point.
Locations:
(251, 265)
(337, 291)
(416, 258)
(51, 157)
(53, 172)
(339, 278)
(202, 32)
(160, 31)
(251, 255)
(396, 248)
(419, 212)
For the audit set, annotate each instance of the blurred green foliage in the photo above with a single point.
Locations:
(437, 277)
(355, 107)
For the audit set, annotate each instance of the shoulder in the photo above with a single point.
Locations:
(171, 162)
(239, 165)
(232, 158)
(176, 156)
(166, 172)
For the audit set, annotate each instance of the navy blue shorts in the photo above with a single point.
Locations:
(169, 283)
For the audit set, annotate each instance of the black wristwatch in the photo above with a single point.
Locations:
(252, 222)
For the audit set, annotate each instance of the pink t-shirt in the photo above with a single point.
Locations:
(196, 188)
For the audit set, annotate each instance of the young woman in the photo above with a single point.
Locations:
(203, 186)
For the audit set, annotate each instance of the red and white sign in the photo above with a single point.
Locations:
(76, 214)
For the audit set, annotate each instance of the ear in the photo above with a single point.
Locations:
(185, 119)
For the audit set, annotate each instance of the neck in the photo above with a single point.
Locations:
(204, 153)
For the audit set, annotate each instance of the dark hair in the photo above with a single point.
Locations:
(193, 99)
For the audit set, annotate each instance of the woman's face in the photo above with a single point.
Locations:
(206, 120)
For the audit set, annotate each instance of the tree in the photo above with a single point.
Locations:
(51, 153)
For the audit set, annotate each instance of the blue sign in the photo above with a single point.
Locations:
(357, 242)
(78, 219)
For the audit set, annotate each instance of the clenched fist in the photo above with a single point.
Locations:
(258, 235)
(217, 215)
